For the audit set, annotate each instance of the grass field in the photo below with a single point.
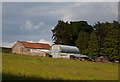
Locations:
(24, 67)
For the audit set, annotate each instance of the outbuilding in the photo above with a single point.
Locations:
(23, 47)
(64, 51)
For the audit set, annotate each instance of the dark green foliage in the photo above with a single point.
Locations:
(108, 39)
(111, 43)
(57, 32)
(82, 42)
(93, 47)
(62, 33)
(78, 27)
(65, 33)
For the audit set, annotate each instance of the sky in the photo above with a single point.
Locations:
(33, 21)
(0, 24)
(59, 0)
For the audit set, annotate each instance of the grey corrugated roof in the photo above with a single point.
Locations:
(69, 49)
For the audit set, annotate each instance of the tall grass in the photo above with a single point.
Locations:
(25, 67)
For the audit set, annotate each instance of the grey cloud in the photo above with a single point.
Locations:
(15, 16)
(61, 1)
(91, 12)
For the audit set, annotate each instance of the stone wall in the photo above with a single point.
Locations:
(17, 48)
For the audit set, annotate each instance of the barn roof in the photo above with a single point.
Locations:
(35, 45)
(69, 49)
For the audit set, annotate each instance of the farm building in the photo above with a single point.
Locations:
(22, 47)
(64, 51)
(5, 49)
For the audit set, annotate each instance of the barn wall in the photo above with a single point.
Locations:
(37, 52)
(17, 48)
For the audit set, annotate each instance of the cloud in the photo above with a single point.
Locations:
(44, 41)
(28, 26)
(60, 0)
(16, 14)
(41, 41)
(88, 12)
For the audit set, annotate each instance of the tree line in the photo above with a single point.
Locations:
(94, 41)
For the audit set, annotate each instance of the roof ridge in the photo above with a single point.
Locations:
(32, 43)
(35, 45)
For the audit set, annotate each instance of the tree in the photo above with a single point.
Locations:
(93, 46)
(57, 32)
(65, 33)
(78, 26)
(111, 43)
(82, 42)
(108, 39)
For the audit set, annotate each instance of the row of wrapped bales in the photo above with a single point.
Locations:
(64, 51)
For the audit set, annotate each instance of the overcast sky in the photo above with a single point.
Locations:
(33, 21)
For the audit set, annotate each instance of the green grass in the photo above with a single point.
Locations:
(24, 67)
